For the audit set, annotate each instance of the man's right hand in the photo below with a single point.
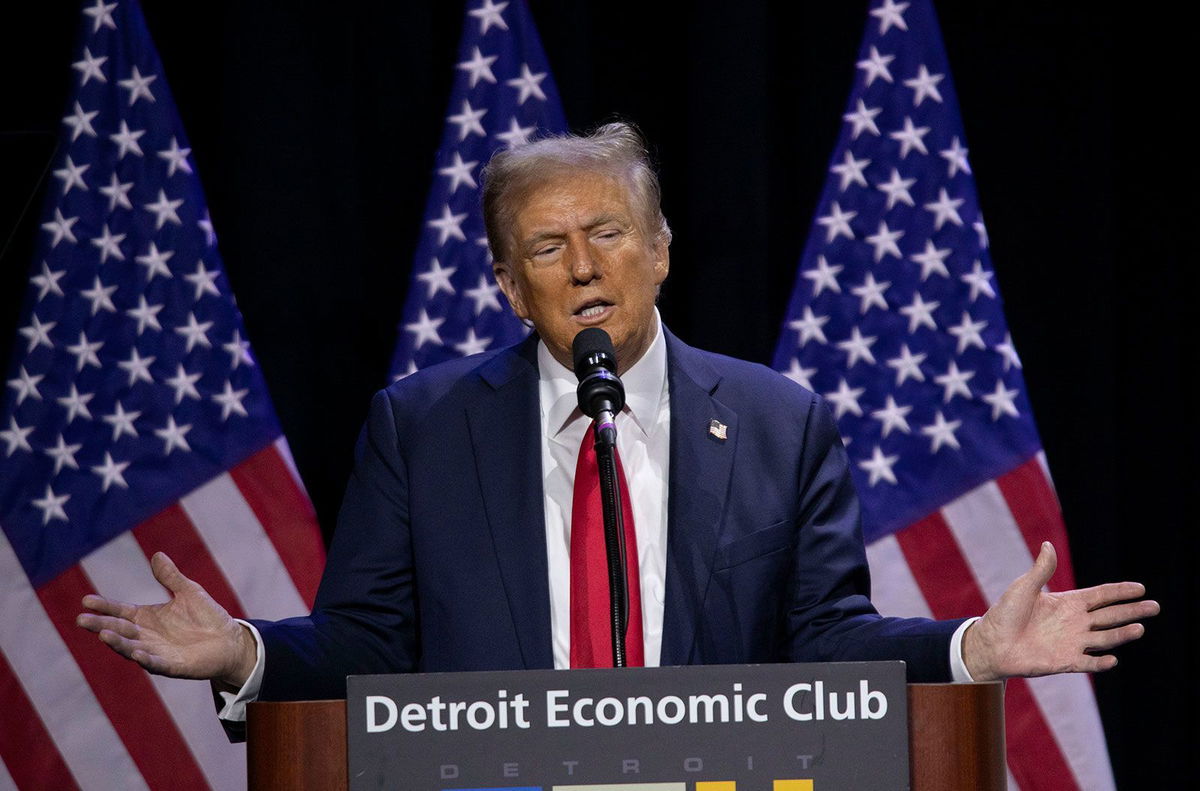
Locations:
(190, 636)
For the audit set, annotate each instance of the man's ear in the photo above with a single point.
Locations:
(662, 261)
(508, 285)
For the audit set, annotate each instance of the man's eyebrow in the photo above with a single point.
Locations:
(601, 219)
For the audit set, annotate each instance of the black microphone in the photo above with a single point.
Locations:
(601, 394)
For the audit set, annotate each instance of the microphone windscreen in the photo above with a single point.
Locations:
(589, 343)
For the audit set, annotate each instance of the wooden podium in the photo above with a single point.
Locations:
(956, 741)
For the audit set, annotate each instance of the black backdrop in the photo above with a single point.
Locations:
(313, 125)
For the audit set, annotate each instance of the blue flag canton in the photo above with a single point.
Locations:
(132, 382)
(503, 96)
(896, 318)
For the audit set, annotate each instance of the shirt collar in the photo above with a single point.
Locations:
(644, 385)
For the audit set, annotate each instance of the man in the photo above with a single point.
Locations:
(454, 544)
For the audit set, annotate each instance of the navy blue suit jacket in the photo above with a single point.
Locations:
(439, 558)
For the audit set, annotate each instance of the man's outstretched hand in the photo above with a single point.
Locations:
(1030, 632)
(190, 636)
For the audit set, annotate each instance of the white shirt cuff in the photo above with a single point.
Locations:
(958, 667)
(234, 709)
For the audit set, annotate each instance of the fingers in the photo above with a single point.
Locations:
(168, 574)
(1041, 572)
(1111, 638)
(103, 606)
(98, 623)
(1121, 614)
(1104, 595)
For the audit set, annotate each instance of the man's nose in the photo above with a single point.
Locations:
(584, 266)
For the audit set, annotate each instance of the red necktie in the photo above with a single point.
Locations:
(591, 629)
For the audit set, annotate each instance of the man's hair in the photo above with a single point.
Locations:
(616, 148)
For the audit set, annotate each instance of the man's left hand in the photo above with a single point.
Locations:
(1031, 632)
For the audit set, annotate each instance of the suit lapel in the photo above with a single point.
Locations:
(701, 465)
(505, 436)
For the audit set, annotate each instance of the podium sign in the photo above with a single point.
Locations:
(787, 727)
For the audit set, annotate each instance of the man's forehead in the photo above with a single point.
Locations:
(577, 197)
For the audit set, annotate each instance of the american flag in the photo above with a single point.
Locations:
(135, 420)
(897, 320)
(503, 96)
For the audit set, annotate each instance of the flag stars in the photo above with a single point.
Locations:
(52, 504)
(100, 296)
(884, 241)
(956, 158)
(204, 281)
(1001, 401)
(117, 193)
(472, 344)
(479, 67)
(164, 210)
(80, 122)
(138, 86)
(870, 293)
(528, 84)
(890, 14)
(230, 401)
(26, 385)
(155, 262)
(907, 365)
(127, 140)
(71, 175)
(850, 171)
(459, 173)
(896, 189)
(893, 416)
(448, 225)
(876, 65)
(468, 121)
(85, 352)
(89, 67)
(837, 222)
(980, 230)
(863, 118)
(920, 313)
(484, 295)
(490, 14)
(857, 347)
(109, 244)
(437, 278)
(1008, 352)
(47, 281)
(17, 437)
(824, 276)
(800, 375)
(196, 332)
(173, 436)
(145, 314)
(176, 158)
(845, 399)
(184, 384)
(425, 330)
(945, 209)
(924, 86)
(954, 382)
(941, 432)
(910, 137)
(516, 135)
(205, 224)
(979, 280)
(933, 259)
(101, 15)
(239, 350)
(121, 421)
(967, 332)
(60, 228)
(38, 333)
(76, 404)
(809, 326)
(879, 467)
(111, 472)
(137, 366)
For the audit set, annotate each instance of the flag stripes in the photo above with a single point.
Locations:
(956, 561)
(94, 719)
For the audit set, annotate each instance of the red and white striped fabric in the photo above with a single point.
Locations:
(957, 561)
(75, 714)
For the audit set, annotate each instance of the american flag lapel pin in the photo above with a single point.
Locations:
(718, 429)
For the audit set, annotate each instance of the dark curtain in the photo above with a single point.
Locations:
(313, 126)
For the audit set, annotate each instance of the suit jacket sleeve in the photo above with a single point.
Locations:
(364, 617)
(830, 615)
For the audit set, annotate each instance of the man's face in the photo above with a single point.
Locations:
(581, 258)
